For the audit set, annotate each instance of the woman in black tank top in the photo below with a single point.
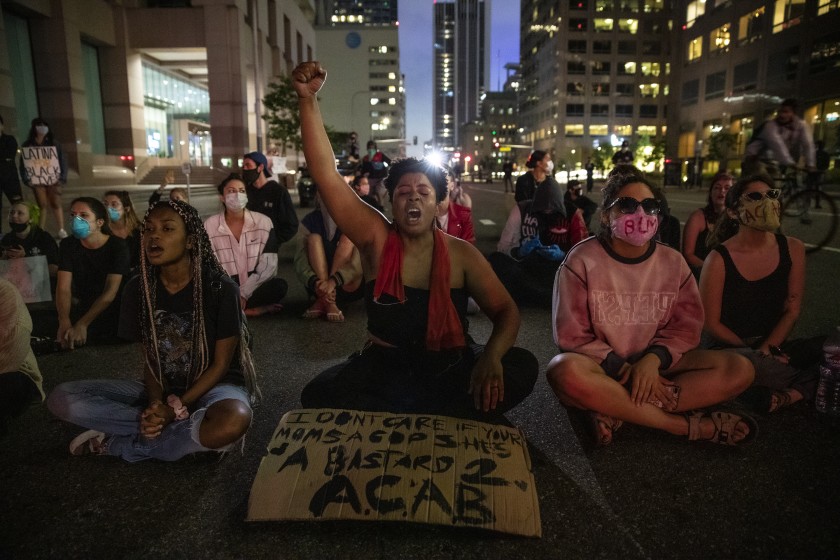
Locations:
(751, 286)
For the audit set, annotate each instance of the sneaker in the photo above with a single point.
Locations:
(88, 443)
(62, 234)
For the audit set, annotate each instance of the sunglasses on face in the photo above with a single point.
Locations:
(629, 205)
(772, 194)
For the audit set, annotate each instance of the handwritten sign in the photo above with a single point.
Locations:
(376, 466)
(41, 164)
(30, 275)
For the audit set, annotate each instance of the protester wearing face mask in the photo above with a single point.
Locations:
(245, 245)
(752, 284)
(540, 169)
(627, 318)
(92, 267)
(375, 166)
(268, 197)
(124, 222)
(27, 239)
(48, 184)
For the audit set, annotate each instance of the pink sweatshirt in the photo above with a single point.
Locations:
(615, 309)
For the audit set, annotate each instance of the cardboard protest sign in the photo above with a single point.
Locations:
(377, 466)
(41, 164)
(30, 275)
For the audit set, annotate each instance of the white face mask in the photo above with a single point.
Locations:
(549, 167)
(42, 130)
(236, 201)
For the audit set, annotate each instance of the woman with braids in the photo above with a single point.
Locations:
(198, 374)
(92, 266)
(419, 357)
(124, 223)
(627, 318)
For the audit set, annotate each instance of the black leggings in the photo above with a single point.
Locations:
(269, 292)
(395, 380)
(17, 391)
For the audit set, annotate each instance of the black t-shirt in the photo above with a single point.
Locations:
(274, 201)
(38, 242)
(91, 267)
(173, 324)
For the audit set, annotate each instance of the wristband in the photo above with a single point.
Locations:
(338, 279)
(175, 403)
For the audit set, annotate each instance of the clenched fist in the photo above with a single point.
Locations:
(308, 78)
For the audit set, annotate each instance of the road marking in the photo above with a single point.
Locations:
(486, 222)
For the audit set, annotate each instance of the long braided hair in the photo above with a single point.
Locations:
(204, 266)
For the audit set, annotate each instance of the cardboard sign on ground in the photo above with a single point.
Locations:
(30, 275)
(377, 466)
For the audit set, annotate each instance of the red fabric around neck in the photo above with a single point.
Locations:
(444, 328)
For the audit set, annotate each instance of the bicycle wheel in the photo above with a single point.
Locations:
(792, 205)
(810, 216)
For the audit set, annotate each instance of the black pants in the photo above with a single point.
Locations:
(17, 391)
(269, 292)
(396, 380)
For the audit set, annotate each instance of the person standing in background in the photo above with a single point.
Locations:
(590, 171)
(9, 182)
(48, 186)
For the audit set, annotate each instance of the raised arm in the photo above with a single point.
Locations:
(361, 223)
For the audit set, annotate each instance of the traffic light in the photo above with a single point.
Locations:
(493, 133)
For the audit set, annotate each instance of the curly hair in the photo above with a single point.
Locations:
(727, 226)
(434, 172)
(203, 267)
(616, 182)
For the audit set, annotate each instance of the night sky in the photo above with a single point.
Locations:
(416, 59)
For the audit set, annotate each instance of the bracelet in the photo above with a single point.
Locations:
(338, 279)
(175, 403)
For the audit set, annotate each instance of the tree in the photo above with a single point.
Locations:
(720, 146)
(282, 117)
(652, 156)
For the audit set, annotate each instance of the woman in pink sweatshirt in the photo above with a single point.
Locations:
(627, 318)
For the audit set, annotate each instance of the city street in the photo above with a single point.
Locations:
(648, 495)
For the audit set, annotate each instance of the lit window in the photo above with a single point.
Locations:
(826, 6)
(598, 130)
(649, 90)
(695, 49)
(650, 68)
(646, 130)
(719, 39)
(750, 26)
(693, 11)
(605, 24)
(628, 25)
(787, 14)
(623, 130)
(574, 130)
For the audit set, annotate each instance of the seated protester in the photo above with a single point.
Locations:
(361, 185)
(327, 264)
(627, 317)
(668, 231)
(124, 223)
(702, 221)
(452, 217)
(752, 284)
(419, 357)
(535, 239)
(20, 378)
(27, 239)
(575, 198)
(92, 267)
(245, 245)
(267, 196)
(198, 378)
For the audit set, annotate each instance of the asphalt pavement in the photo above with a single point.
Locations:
(648, 495)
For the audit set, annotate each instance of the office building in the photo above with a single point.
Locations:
(154, 80)
(352, 12)
(594, 73)
(738, 60)
(461, 66)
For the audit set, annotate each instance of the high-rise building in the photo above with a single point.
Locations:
(594, 72)
(359, 46)
(351, 12)
(461, 62)
(736, 61)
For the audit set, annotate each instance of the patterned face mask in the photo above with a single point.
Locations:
(761, 214)
(636, 229)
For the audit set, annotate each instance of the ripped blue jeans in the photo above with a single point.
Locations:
(113, 406)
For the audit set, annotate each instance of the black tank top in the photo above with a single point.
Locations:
(404, 324)
(752, 308)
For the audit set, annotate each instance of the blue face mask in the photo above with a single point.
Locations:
(114, 214)
(81, 228)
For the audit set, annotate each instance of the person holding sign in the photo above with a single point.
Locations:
(198, 374)
(44, 168)
(27, 239)
(419, 356)
(92, 267)
(627, 319)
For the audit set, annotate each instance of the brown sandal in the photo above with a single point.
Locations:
(724, 422)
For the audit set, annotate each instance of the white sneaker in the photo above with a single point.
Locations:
(88, 443)
(62, 234)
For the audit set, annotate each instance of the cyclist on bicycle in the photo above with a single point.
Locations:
(785, 139)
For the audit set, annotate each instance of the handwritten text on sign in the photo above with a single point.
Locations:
(41, 165)
(331, 464)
